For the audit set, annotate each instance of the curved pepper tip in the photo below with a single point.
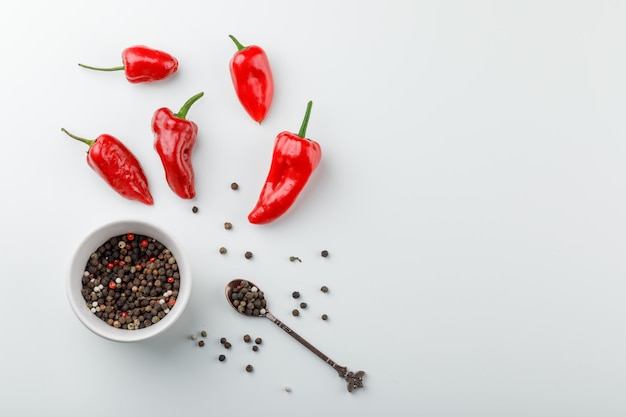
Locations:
(148, 200)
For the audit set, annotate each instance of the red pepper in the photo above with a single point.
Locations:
(174, 139)
(294, 160)
(143, 64)
(108, 157)
(252, 78)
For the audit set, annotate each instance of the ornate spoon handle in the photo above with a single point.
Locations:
(354, 379)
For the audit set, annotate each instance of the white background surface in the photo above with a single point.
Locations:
(471, 194)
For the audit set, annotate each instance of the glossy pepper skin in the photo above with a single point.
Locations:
(174, 140)
(294, 159)
(116, 164)
(252, 78)
(143, 64)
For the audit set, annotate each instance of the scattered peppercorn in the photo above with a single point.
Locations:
(295, 294)
(247, 338)
(227, 345)
(223, 250)
(193, 336)
(223, 340)
(295, 312)
(258, 340)
(228, 226)
(324, 253)
(221, 358)
(249, 368)
(194, 209)
(295, 258)
(248, 255)
(234, 186)
(201, 343)
(255, 348)
(203, 333)
(324, 288)
(324, 316)
(303, 305)
(287, 389)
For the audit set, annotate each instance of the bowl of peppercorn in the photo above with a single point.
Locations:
(129, 280)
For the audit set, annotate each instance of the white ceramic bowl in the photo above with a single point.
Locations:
(90, 244)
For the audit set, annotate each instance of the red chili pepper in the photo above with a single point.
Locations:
(174, 139)
(252, 78)
(294, 160)
(116, 164)
(143, 64)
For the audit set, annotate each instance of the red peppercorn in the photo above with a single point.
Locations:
(122, 263)
(110, 265)
(170, 279)
(124, 314)
(144, 243)
(112, 285)
(138, 267)
(130, 236)
(128, 247)
(152, 260)
(171, 302)
(116, 262)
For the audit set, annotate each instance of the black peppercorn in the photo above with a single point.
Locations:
(223, 340)
(227, 345)
(223, 250)
(324, 317)
(247, 338)
(295, 312)
(258, 340)
(221, 358)
(203, 333)
(117, 285)
(249, 368)
(228, 226)
(234, 186)
(194, 209)
(201, 343)
(324, 253)
(248, 255)
(303, 305)
(295, 294)
(255, 348)
(324, 288)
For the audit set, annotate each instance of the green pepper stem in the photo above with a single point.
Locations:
(183, 110)
(239, 45)
(87, 141)
(102, 69)
(305, 122)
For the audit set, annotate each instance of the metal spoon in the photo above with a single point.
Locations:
(238, 286)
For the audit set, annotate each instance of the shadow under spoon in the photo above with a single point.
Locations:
(248, 299)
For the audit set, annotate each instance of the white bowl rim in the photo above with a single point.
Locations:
(96, 238)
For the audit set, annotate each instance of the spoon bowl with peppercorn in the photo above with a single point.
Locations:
(248, 299)
(128, 281)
